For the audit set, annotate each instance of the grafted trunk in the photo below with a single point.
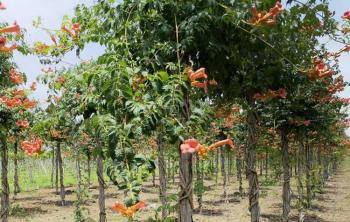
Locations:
(286, 176)
(186, 176)
(162, 175)
(173, 171)
(325, 165)
(5, 191)
(224, 174)
(52, 167)
(154, 179)
(251, 167)
(78, 203)
(17, 188)
(185, 197)
(266, 162)
(299, 178)
(89, 169)
(57, 173)
(101, 189)
(60, 165)
(308, 175)
(239, 174)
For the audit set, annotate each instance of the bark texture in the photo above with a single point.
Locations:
(254, 207)
(101, 189)
(286, 177)
(5, 191)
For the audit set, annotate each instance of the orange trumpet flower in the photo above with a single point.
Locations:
(22, 123)
(266, 18)
(128, 212)
(18, 93)
(203, 85)
(15, 28)
(199, 74)
(32, 147)
(33, 87)
(4, 48)
(221, 143)
(29, 104)
(15, 77)
(190, 146)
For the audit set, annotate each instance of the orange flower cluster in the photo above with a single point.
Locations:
(41, 48)
(128, 212)
(18, 93)
(60, 80)
(32, 147)
(22, 123)
(263, 18)
(4, 48)
(56, 134)
(321, 70)
(17, 102)
(9, 29)
(192, 146)
(223, 112)
(74, 32)
(338, 85)
(29, 104)
(11, 103)
(346, 15)
(281, 93)
(195, 76)
(15, 77)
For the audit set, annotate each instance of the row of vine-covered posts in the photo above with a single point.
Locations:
(311, 163)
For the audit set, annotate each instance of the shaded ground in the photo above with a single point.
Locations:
(331, 206)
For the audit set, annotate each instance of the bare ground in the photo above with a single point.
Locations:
(331, 206)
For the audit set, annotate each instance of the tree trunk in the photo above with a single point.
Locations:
(266, 162)
(185, 197)
(224, 173)
(17, 188)
(216, 167)
(101, 189)
(254, 207)
(162, 175)
(5, 191)
(89, 169)
(286, 176)
(308, 176)
(239, 174)
(52, 167)
(57, 173)
(325, 165)
(261, 167)
(78, 203)
(60, 165)
(173, 169)
(154, 179)
(300, 183)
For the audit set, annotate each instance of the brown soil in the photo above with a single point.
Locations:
(331, 206)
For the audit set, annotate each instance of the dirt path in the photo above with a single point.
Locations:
(334, 204)
(331, 206)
